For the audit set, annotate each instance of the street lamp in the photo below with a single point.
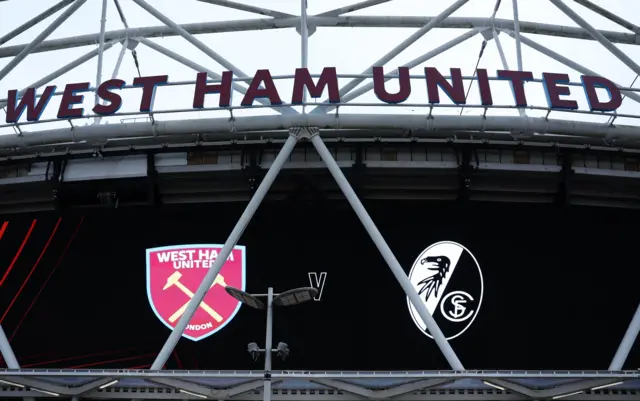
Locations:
(287, 298)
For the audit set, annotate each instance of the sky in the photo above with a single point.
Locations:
(350, 50)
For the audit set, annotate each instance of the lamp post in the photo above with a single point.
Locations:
(287, 298)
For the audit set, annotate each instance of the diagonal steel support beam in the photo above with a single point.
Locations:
(609, 15)
(200, 45)
(184, 385)
(7, 352)
(515, 387)
(516, 30)
(411, 64)
(103, 24)
(240, 389)
(381, 394)
(397, 50)
(597, 35)
(574, 387)
(95, 384)
(411, 387)
(387, 254)
(40, 38)
(231, 242)
(197, 67)
(190, 38)
(35, 20)
(357, 21)
(63, 70)
(250, 9)
(628, 340)
(349, 9)
(569, 63)
(8, 355)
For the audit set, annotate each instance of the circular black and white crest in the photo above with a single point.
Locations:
(449, 282)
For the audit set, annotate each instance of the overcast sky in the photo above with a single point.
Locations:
(351, 50)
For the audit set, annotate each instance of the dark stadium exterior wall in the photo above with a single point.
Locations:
(560, 286)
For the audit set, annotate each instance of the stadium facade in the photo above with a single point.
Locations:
(481, 203)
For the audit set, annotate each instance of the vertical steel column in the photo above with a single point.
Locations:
(116, 69)
(386, 252)
(211, 275)
(516, 30)
(627, 342)
(43, 35)
(103, 23)
(304, 46)
(268, 345)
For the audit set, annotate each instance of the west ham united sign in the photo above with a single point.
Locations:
(173, 276)
(449, 281)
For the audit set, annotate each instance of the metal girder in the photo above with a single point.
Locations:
(257, 126)
(311, 375)
(351, 85)
(566, 61)
(29, 48)
(411, 64)
(609, 15)
(35, 20)
(621, 55)
(197, 67)
(630, 337)
(572, 388)
(64, 69)
(235, 391)
(335, 386)
(250, 9)
(515, 387)
(382, 394)
(333, 22)
(185, 385)
(349, 9)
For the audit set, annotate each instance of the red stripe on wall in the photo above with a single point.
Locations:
(64, 252)
(13, 262)
(33, 268)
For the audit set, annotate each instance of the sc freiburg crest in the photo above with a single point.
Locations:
(449, 281)
(174, 274)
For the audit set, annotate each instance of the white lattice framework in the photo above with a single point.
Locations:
(588, 39)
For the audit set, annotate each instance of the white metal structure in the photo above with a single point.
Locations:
(534, 129)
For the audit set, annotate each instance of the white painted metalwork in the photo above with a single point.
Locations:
(413, 121)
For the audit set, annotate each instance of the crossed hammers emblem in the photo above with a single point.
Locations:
(174, 280)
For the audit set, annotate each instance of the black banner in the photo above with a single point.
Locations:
(519, 286)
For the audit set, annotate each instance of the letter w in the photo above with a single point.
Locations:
(27, 100)
(318, 282)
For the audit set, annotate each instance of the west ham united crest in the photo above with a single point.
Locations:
(449, 281)
(173, 276)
